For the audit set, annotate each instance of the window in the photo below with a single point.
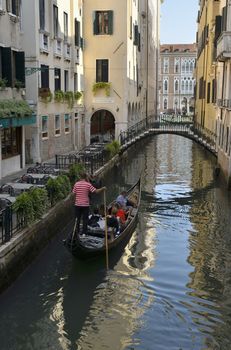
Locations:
(42, 14)
(65, 24)
(101, 71)
(0, 4)
(165, 104)
(12, 66)
(103, 23)
(177, 66)
(10, 142)
(208, 92)
(13, 6)
(44, 76)
(44, 126)
(57, 125)
(76, 82)
(67, 123)
(176, 87)
(66, 80)
(166, 65)
(77, 33)
(55, 21)
(57, 78)
(165, 86)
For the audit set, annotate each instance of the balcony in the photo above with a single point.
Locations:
(224, 46)
(44, 42)
(58, 48)
(224, 103)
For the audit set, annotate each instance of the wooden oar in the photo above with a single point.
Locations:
(73, 233)
(106, 238)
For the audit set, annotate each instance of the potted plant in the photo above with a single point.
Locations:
(3, 83)
(59, 96)
(69, 98)
(18, 84)
(101, 85)
(77, 95)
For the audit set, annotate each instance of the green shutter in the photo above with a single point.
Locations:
(20, 67)
(95, 23)
(7, 65)
(110, 22)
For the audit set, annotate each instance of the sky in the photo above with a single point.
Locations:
(178, 21)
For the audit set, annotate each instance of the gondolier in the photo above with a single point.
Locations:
(82, 189)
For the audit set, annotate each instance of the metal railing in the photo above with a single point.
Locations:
(183, 125)
(10, 224)
(91, 161)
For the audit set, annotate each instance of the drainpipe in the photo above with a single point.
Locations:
(147, 62)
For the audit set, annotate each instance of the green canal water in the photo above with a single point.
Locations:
(169, 289)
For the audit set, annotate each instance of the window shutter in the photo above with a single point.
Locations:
(95, 23)
(110, 22)
(20, 66)
(217, 27)
(136, 35)
(77, 33)
(8, 5)
(42, 14)
(7, 65)
(224, 19)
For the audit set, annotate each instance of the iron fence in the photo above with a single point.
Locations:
(10, 224)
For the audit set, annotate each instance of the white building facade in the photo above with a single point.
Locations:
(176, 81)
(53, 42)
(15, 115)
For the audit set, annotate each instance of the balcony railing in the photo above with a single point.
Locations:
(224, 103)
(224, 46)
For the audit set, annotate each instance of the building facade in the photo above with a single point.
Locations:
(205, 113)
(120, 65)
(176, 81)
(15, 114)
(53, 43)
(213, 76)
(223, 102)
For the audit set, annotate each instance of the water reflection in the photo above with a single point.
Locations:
(170, 288)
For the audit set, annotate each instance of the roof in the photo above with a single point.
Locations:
(178, 48)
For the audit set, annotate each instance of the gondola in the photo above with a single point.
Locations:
(93, 243)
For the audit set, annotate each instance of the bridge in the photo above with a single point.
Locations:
(169, 124)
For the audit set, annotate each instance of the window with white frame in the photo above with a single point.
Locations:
(166, 65)
(65, 25)
(0, 4)
(177, 65)
(44, 126)
(13, 6)
(182, 86)
(176, 85)
(57, 125)
(67, 123)
(165, 85)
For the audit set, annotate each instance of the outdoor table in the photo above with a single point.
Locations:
(8, 197)
(19, 187)
(41, 176)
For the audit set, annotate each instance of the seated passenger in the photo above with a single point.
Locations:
(121, 214)
(94, 218)
(123, 201)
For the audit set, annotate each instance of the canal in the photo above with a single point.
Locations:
(169, 289)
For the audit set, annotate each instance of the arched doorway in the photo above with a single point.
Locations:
(102, 126)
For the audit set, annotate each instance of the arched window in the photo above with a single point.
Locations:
(182, 86)
(176, 85)
(183, 67)
(186, 86)
(191, 86)
(165, 86)
(187, 67)
(165, 103)
(191, 67)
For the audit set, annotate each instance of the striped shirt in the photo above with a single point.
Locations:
(81, 190)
